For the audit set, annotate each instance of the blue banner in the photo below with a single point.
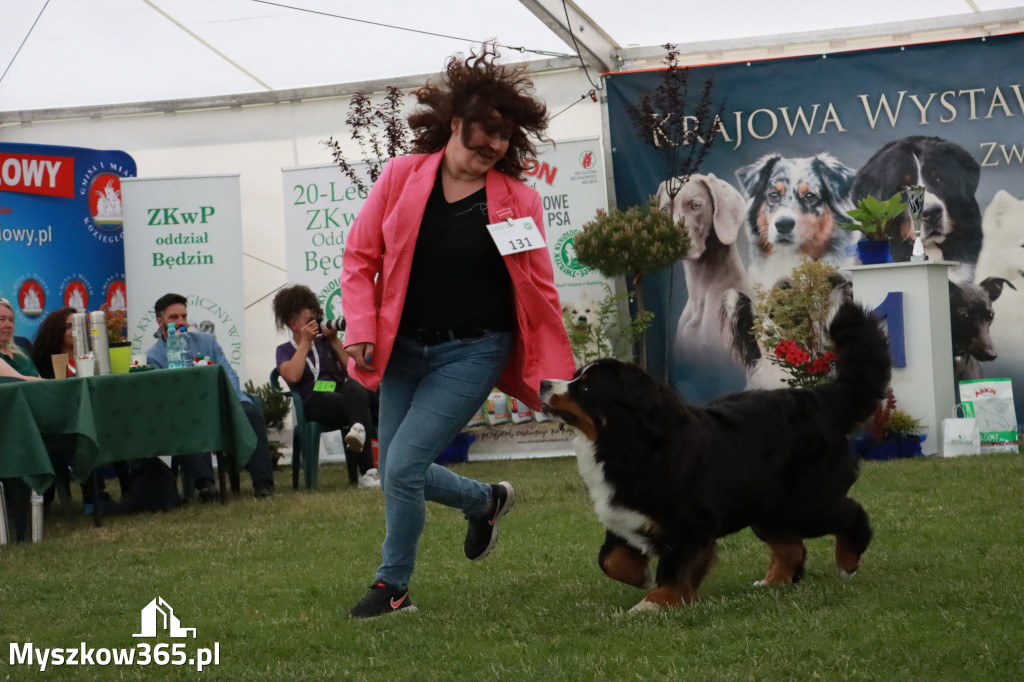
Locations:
(804, 138)
(60, 230)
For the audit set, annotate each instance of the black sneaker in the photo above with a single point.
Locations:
(482, 534)
(381, 600)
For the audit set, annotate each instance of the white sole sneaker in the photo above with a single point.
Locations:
(355, 439)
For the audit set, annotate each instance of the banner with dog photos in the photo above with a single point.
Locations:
(801, 141)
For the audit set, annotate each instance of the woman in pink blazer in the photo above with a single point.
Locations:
(437, 316)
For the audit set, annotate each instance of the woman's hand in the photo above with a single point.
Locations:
(362, 353)
(308, 332)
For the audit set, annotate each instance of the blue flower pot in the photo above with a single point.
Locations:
(873, 252)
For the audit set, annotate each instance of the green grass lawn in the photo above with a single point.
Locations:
(940, 594)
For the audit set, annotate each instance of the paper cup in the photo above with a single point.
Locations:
(60, 365)
(86, 367)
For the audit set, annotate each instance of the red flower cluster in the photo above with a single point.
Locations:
(789, 351)
(805, 369)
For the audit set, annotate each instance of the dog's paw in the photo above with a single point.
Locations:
(645, 606)
(846, 576)
(761, 583)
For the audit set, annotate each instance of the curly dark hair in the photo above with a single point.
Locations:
(50, 336)
(290, 301)
(474, 89)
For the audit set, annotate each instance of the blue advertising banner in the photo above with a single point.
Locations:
(801, 141)
(60, 230)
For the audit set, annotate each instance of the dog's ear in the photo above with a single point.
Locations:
(754, 176)
(993, 286)
(729, 206)
(836, 175)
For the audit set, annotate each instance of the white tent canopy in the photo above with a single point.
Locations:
(59, 54)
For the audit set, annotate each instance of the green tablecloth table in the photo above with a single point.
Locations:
(118, 417)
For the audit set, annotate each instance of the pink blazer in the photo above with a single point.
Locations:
(378, 259)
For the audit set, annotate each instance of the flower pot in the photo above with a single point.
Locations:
(872, 252)
(120, 357)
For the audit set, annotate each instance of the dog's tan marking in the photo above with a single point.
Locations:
(787, 559)
(582, 422)
(661, 597)
(817, 231)
(847, 560)
(627, 565)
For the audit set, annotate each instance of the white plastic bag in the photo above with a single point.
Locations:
(990, 401)
(960, 435)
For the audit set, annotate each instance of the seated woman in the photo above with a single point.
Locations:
(52, 338)
(313, 363)
(16, 364)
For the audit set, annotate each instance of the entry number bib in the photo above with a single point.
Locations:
(513, 236)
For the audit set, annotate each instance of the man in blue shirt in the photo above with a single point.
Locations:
(173, 309)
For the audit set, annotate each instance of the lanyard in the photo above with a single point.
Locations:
(314, 366)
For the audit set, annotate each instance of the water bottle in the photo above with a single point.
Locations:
(186, 351)
(173, 348)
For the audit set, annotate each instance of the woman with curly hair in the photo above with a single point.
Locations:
(53, 337)
(312, 364)
(437, 315)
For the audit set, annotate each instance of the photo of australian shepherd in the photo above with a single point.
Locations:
(795, 206)
(668, 479)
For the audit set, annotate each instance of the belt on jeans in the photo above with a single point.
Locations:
(432, 337)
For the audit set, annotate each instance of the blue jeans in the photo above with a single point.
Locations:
(427, 395)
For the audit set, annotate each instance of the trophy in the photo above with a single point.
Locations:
(915, 197)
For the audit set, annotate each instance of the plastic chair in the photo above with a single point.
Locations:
(306, 442)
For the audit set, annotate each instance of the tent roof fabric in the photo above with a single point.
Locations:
(105, 54)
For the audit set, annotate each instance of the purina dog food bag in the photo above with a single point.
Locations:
(990, 401)
(518, 412)
(496, 408)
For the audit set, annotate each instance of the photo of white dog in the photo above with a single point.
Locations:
(586, 329)
(1002, 256)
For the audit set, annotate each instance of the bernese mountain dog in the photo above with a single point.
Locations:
(667, 479)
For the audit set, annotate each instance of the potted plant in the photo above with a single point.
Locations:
(120, 349)
(792, 323)
(631, 242)
(275, 407)
(873, 216)
(892, 433)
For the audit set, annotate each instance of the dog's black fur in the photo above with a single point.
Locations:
(971, 316)
(680, 476)
(949, 174)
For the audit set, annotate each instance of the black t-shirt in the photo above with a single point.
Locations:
(458, 278)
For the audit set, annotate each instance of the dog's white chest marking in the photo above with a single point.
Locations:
(626, 523)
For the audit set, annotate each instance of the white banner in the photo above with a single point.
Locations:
(320, 206)
(570, 180)
(184, 235)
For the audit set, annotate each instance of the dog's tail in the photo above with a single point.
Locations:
(863, 366)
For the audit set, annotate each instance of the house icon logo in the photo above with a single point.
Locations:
(158, 614)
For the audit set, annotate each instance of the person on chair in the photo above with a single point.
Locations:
(16, 362)
(312, 363)
(173, 309)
